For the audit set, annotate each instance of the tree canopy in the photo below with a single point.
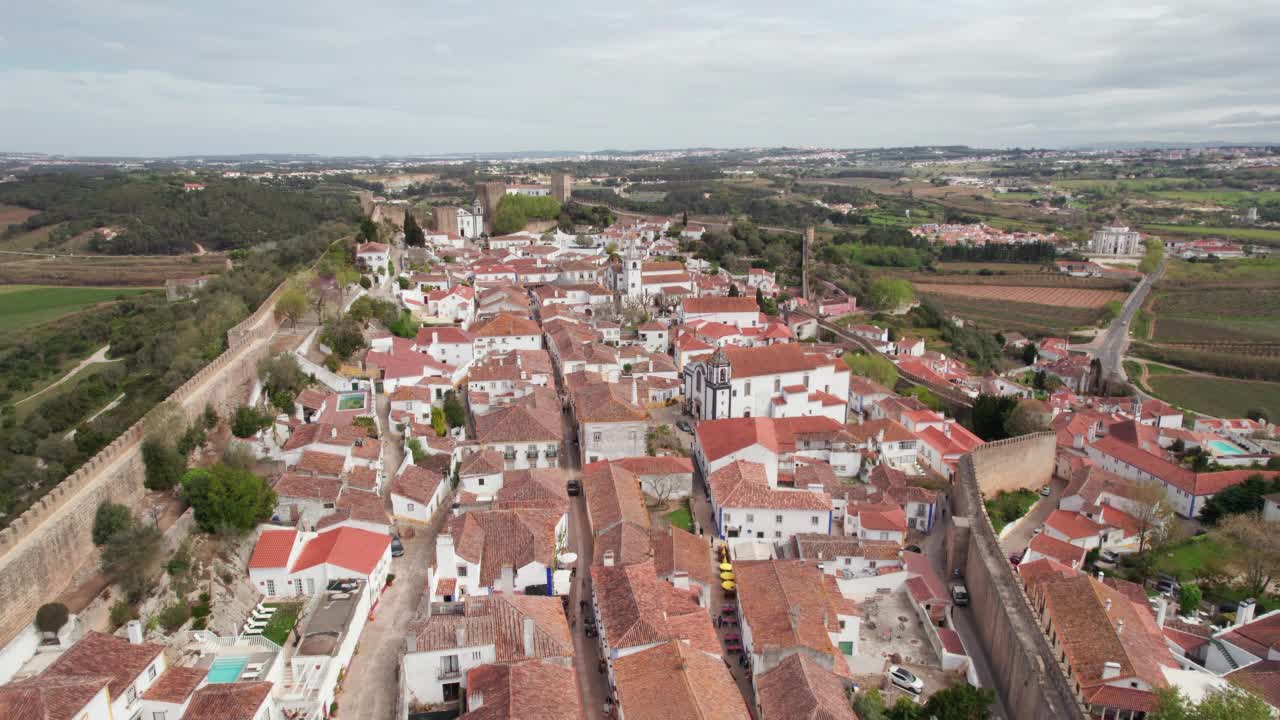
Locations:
(876, 367)
(225, 498)
(888, 293)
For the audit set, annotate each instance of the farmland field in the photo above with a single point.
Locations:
(23, 306)
(1221, 397)
(1227, 302)
(1258, 235)
(1014, 316)
(106, 270)
(1057, 297)
(12, 214)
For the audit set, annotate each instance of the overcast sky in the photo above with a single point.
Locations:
(150, 78)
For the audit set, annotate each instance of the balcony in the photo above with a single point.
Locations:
(531, 454)
(551, 452)
(449, 673)
(510, 455)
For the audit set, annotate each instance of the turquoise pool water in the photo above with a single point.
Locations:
(1225, 448)
(227, 669)
(351, 401)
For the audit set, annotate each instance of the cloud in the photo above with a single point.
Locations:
(332, 78)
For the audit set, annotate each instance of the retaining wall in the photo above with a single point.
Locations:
(1030, 681)
(44, 550)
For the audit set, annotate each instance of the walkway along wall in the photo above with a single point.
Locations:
(44, 550)
(1031, 682)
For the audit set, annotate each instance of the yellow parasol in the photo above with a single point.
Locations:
(726, 566)
(728, 585)
(726, 576)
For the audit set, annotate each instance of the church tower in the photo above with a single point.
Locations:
(719, 392)
(632, 273)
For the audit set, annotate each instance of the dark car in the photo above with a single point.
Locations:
(684, 425)
(397, 547)
(574, 488)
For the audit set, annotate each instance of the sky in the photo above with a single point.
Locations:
(135, 77)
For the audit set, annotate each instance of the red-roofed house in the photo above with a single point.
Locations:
(416, 492)
(745, 505)
(776, 443)
(287, 562)
(787, 380)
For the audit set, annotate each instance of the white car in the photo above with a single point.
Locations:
(905, 679)
(1046, 491)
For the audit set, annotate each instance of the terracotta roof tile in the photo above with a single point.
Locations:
(99, 655)
(228, 701)
(743, 484)
(273, 548)
(495, 538)
(800, 689)
(347, 547)
(692, 685)
(416, 483)
(526, 690)
(50, 697)
(175, 685)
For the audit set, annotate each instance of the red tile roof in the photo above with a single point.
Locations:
(798, 688)
(743, 484)
(347, 547)
(526, 690)
(507, 325)
(718, 438)
(273, 549)
(416, 483)
(701, 305)
(1064, 552)
(228, 701)
(1072, 524)
(47, 697)
(175, 685)
(672, 681)
(98, 655)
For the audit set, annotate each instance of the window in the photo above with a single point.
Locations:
(131, 695)
(871, 563)
(595, 437)
(462, 571)
(725, 517)
(151, 672)
(475, 655)
(777, 519)
(328, 506)
(777, 533)
(746, 389)
(777, 384)
(410, 507)
(806, 381)
(271, 588)
(813, 520)
(158, 715)
(884, 536)
(848, 561)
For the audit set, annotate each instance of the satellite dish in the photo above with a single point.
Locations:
(568, 558)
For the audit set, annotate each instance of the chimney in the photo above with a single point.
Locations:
(1101, 576)
(508, 579)
(475, 701)
(135, 632)
(1110, 670)
(1120, 627)
(680, 579)
(1162, 610)
(1244, 613)
(634, 399)
(608, 558)
(460, 634)
(527, 637)
(1108, 605)
(333, 431)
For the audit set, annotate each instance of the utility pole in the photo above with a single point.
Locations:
(804, 262)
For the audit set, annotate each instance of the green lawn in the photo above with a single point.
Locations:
(24, 306)
(281, 624)
(1182, 560)
(1221, 197)
(681, 518)
(1222, 397)
(1006, 507)
(1155, 368)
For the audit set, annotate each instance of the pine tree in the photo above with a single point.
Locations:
(413, 234)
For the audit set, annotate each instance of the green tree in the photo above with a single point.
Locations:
(454, 411)
(413, 234)
(343, 337)
(110, 519)
(293, 303)
(987, 420)
(1231, 703)
(868, 705)
(247, 421)
(438, 422)
(1259, 547)
(734, 291)
(876, 367)
(227, 499)
(282, 373)
(164, 465)
(132, 559)
(1029, 354)
(960, 702)
(1189, 598)
(368, 230)
(888, 293)
(1024, 419)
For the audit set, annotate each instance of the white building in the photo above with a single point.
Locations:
(288, 562)
(1117, 240)
(746, 506)
(772, 381)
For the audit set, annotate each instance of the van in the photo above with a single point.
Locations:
(960, 594)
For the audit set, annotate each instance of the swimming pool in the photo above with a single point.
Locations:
(1225, 448)
(351, 401)
(227, 669)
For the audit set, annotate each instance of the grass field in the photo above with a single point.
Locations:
(282, 622)
(1236, 301)
(1232, 273)
(23, 306)
(1057, 297)
(1257, 235)
(1220, 197)
(1184, 559)
(12, 214)
(1221, 397)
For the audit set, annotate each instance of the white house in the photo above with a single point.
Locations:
(745, 505)
(741, 312)
(101, 677)
(416, 492)
(505, 331)
(373, 256)
(492, 551)
(288, 562)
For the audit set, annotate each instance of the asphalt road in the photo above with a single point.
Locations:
(1110, 345)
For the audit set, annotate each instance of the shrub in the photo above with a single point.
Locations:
(248, 421)
(164, 464)
(365, 282)
(174, 616)
(121, 613)
(200, 611)
(51, 617)
(132, 558)
(110, 519)
(438, 422)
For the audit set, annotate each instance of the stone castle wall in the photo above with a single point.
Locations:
(1030, 680)
(48, 547)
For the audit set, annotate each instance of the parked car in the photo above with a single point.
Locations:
(1166, 587)
(1015, 559)
(960, 594)
(1046, 491)
(1108, 556)
(684, 425)
(397, 547)
(574, 488)
(905, 679)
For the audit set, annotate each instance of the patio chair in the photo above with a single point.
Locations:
(252, 632)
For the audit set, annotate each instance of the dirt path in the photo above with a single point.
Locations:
(98, 357)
